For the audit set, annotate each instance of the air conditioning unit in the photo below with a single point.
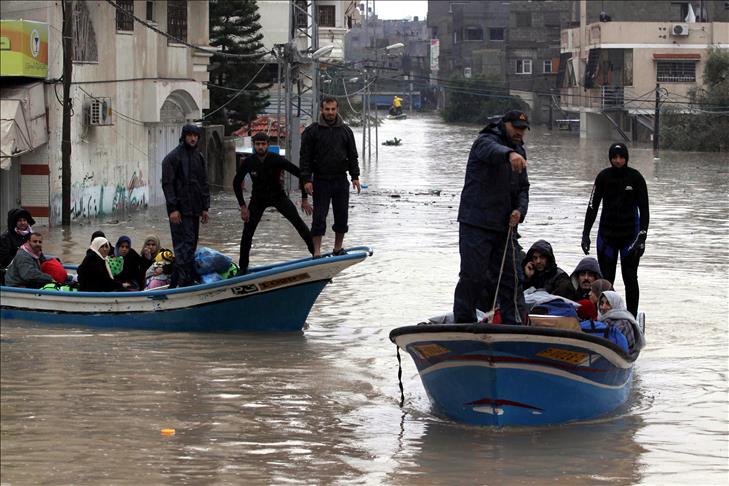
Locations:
(679, 30)
(99, 112)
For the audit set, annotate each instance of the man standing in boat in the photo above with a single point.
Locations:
(265, 169)
(623, 224)
(185, 184)
(328, 152)
(494, 201)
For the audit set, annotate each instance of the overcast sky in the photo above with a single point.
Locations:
(400, 9)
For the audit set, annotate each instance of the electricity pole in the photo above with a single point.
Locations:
(656, 124)
(67, 33)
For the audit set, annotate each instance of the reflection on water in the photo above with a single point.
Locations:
(86, 406)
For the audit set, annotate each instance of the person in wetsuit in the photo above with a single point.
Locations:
(265, 169)
(623, 224)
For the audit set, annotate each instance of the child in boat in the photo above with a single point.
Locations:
(614, 312)
(158, 274)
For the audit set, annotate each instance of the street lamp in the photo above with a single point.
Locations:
(322, 51)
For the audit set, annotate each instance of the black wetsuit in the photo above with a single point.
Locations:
(625, 216)
(267, 191)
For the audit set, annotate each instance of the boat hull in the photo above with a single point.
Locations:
(273, 298)
(514, 375)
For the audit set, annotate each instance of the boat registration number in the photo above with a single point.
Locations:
(572, 357)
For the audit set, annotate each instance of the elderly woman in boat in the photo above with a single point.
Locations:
(94, 274)
(614, 312)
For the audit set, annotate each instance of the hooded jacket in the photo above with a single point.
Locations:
(10, 240)
(132, 270)
(589, 264)
(624, 198)
(185, 178)
(491, 190)
(553, 279)
(328, 151)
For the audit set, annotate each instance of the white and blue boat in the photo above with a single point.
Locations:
(274, 297)
(485, 374)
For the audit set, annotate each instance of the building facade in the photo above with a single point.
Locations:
(611, 69)
(132, 88)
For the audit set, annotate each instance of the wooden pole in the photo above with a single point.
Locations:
(67, 9)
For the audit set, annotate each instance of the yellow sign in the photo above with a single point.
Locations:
(430, 350)
(23, 48)
(572, 357)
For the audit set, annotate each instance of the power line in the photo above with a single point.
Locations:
(240, 91)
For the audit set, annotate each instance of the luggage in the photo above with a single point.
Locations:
(55, 269)
(208, 260)
(611, 333)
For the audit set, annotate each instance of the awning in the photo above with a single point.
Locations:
(22, 121)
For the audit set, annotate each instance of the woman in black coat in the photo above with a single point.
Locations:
(94, 274)
(131, 270)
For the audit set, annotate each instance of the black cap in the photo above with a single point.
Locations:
(517, 118)
(260, 137)
(618, 149)
(190, 128)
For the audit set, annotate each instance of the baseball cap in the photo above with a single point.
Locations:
(517, 118)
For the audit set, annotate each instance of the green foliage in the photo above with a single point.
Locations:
(477, 99)
(235, 28)
(703, 129)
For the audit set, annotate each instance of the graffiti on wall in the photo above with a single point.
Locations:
(89, 200)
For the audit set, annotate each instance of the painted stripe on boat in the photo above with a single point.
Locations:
(533, 368)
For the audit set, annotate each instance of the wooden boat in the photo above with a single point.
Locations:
(487, 374)
(274, 297)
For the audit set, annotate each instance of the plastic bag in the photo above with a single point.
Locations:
(208, 260)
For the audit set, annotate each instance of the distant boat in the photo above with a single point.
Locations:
(401, 116)
(274, 297)
(486, 374)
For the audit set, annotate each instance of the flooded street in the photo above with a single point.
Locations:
(84, 406)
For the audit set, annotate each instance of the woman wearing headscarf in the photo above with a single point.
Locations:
(94, 274)
(614, 312)
(588, 307)
(148, 253)
(131, 272)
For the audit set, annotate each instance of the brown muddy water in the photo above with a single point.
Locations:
(83, 406)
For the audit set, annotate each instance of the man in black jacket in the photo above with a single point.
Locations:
(623, 223)
(185, 184)
(265, 169)
(495, 198)
(541, 271)
(328, 152)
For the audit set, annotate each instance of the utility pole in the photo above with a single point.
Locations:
(656, 124)
(67, 33)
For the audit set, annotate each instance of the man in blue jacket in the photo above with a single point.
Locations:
(494, 199)
(185, 184)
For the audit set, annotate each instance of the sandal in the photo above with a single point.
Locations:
(339, 252)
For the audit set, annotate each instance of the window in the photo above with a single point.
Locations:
(523, 19)
(124, 12)
(676, 71)
(496, 34)
(523, 66)
(150, 10)
(474, 34)
(327, 16)
(548, 67)
(177, 19)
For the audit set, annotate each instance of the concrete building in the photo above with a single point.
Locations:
(132, 90)
(609, 70)
(516, 44)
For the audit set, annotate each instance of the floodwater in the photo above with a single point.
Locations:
(86, 407)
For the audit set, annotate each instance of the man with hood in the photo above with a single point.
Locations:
(266, 169)
(585, 273)
(185, 185)
(541, 271)
(623, 224)
(20, 224)
(328, 152)
(494, 201)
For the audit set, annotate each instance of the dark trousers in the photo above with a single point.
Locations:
(184, 243)
(481, 253)
(607, 257)
(256, 208)
(336, 192)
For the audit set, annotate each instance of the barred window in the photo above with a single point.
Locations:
(548, 67)
(150, 10)
(124, 20)
(177, 19)
(474, 34)
(327, 16)
(676, 71)
(496, 34)
(523, 66)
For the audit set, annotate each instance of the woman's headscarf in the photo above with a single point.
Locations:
(97, 243)
(154, 238)
(618, 308)
(599, 286)
(122, 239)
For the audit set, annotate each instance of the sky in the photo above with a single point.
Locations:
(400, 9)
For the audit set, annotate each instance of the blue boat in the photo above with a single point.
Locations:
(485, 374)
(274, 297)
